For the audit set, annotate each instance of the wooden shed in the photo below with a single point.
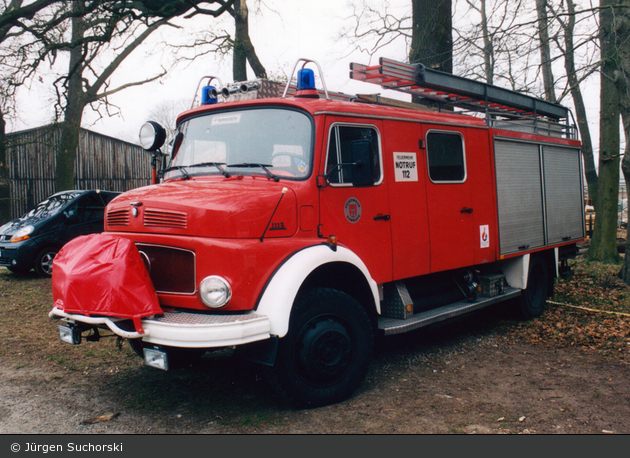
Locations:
(102, 162)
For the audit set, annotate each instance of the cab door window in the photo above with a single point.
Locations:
(340, 152)
(445, 156)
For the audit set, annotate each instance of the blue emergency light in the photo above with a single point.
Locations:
(209, 95)
(305, 79)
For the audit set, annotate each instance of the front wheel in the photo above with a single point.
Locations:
(44, 262)
(327, 351)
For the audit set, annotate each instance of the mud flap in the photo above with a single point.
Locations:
(262, 352)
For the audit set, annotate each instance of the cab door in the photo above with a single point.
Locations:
(357, 215)
(449, 199)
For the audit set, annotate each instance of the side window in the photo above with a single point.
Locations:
(340, 151)
(91, 208)
(445, 154)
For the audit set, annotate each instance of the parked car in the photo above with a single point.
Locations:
(33, 240)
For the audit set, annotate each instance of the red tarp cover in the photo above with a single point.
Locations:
(103, 275)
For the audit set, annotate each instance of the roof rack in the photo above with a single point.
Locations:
(447, 89)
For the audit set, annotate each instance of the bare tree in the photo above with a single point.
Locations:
(85, 83)
(567, 17)
(20, 53)
(432, 34)
(243, 48)
(603, 245)
(545, 50)
(622, 80)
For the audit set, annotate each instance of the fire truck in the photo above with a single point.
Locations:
(294, 225)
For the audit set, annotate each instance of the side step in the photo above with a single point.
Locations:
(392, 326)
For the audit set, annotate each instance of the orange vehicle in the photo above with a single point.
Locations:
(295, 224)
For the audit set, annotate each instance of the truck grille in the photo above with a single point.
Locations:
(165, 218)
(172, 270)
(118, 217)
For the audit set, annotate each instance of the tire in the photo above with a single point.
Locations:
(327, 351)
(534, 297)
(44, 261)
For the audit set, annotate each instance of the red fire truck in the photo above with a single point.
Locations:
(294, 224)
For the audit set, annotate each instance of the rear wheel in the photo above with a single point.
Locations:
(534, 297)
(327, 351)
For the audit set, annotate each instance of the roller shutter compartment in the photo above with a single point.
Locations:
(563, 194)
(519, 195)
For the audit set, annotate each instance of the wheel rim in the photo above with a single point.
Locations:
(47, 263)
(323, 351)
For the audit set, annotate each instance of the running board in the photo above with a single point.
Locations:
(392, 326)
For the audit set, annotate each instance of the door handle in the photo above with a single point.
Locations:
(466, 210)
(383, 217)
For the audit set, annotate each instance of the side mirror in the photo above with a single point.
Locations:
(362, 163)
(152, 136)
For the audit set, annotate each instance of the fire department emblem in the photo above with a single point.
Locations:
(352, 210)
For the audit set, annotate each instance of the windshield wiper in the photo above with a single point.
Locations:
(213, 164)
(256, 164)
(181, 168)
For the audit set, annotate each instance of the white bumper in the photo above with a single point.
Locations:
(188, 330)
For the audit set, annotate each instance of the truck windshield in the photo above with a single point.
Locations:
(272, 142)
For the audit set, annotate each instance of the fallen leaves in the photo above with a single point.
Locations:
(100, 419)
(596, 288)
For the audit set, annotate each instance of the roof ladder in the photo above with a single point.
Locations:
(447, 89)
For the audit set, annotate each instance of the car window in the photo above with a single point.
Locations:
(90, 208)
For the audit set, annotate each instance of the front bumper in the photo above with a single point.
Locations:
(19, 255)
(183, 329)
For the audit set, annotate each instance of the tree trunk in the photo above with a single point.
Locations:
(578, 101)
(431, 37)
(243, 48)
(625, 167)
(623, 85)
(545, 52)
(604, 241)
(5, 196)
(432, 34)
(73, 112)
(488, 48)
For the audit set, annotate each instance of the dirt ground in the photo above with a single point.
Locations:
(484, 374)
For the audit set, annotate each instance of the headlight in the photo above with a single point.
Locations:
(22, 234)
(215, 291)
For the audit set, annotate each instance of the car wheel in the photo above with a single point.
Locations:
(44, 261)
(327, 351)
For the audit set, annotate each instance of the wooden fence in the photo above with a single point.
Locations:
(102, 162)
